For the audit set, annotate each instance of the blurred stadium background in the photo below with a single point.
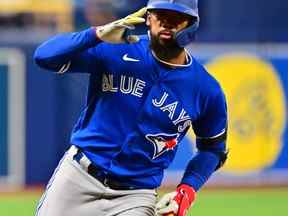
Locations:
(243, 43)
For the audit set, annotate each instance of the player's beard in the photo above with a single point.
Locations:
(164, 49)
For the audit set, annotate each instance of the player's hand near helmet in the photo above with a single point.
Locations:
(176, 203)
(115, 32)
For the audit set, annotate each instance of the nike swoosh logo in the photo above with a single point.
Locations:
(126, 58)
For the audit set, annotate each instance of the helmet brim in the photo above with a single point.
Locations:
(174, 7)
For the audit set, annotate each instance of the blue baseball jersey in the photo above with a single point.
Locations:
(138, 109)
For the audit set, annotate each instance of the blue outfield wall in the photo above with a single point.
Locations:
(3, 122)
(52, 106)
(243, 21)
(256, 84)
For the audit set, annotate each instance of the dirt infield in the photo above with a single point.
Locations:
(11, 191)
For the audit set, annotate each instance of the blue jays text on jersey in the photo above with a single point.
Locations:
(138, 109)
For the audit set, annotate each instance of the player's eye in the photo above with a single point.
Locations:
(170, 17)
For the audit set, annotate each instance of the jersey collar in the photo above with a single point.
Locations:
(189, 59)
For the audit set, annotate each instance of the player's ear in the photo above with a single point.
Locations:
(148, 18)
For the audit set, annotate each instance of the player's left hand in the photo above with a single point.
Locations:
(176, 203)
(115, 32)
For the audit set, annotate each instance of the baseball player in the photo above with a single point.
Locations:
(144, 93)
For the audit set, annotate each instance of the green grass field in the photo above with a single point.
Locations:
(269, 202)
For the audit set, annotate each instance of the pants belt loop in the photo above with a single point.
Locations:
(72, 151)
(84, 162)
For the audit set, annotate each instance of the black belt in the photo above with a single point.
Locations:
(100, 175)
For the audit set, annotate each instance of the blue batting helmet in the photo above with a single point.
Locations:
(188, 7)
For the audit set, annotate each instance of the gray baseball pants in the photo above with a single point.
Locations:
(71, 191)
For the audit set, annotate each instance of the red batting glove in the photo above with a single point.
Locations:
(176, 203)
(185, 196)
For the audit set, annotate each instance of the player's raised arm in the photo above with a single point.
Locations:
(74, 51)
(63, 51)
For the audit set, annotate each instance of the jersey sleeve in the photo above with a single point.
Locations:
(211, 128)
(70, 52)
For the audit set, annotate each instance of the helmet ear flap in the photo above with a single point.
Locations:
(187, 35)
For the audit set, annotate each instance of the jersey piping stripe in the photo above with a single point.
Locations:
(213, 140)
(64, 68)
(219, 134)
(49, 185)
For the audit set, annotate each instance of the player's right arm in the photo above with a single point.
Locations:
(78, 51)
(68, 51)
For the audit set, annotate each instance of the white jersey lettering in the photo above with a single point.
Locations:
(170, 108)
(183, 127)
(138, 88)
(127, 85)
(124, 83)
(162, 100)
(112, 89)
(105, 83)
(181, 117)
